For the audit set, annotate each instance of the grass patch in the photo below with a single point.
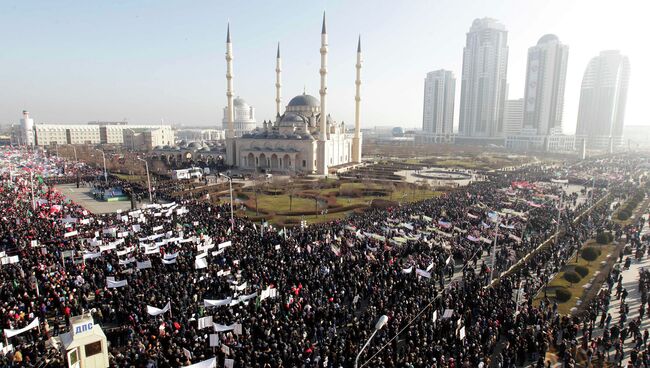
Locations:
(131, 178)
(577, 289)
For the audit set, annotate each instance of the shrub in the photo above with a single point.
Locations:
(590, 254)
(604, 237)
(581, 270)
(562, 295)
(623, 215)
(572, 277)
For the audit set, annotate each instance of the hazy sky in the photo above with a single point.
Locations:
(76, 61)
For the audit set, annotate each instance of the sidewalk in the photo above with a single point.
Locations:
(631, 284)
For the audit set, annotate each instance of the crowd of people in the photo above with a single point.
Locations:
(445, 271)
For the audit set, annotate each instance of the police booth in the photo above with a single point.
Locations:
(85, 345)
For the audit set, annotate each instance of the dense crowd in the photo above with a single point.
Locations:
(445, 271)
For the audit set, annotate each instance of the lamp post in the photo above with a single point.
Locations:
(146, 165)
(494, 246)
(559, 213)
(378, 326)
(232, 214)
(75, 152)
(104, 158)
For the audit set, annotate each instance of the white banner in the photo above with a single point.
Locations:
(169, 261)
(225, 244)
(11, 333)
(201, 263)
(115, 284)
(71, 233)
(92, 255)
(171, 256)
(423, 273)
(407, 270)
(153, 311)
(126, 250)
(210, 363)
(104, 248)
(127, 261)
(216, 303)
(143, 265)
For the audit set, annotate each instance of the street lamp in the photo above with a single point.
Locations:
(378, 326)
(494, 246)
(232, 215)
(146, 165)
(104, 158)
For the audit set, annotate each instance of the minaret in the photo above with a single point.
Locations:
(278, 70)
(356, 141)
(230, 132)
(322, 137)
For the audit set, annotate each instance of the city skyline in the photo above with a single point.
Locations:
(114, 61)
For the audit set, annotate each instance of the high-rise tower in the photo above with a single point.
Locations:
(544, 91)
(438, 106)
(483, 88)
(603, 96)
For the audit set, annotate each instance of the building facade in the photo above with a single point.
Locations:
(483, 85)
(544, 89)
(438, 105)
(144, 139)
(244, 117)
(513, 116)
(603, 96)
(304, 138)
(29, 133)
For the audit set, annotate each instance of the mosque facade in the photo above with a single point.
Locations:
(304, 138)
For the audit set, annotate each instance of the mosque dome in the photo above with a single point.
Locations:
(240, 102)
(304, 100)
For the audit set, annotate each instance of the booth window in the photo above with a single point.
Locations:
(93, 348)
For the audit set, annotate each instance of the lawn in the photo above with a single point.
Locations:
(280, 203)
(131, 178)
(269, 204)
(577, 290)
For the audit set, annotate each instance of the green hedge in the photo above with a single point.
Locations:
(581, 270)
(572, 277)
(590, 254)
(562, 295)
(604, 237)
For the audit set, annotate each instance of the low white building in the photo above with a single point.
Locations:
(139, 139)
(30, 133)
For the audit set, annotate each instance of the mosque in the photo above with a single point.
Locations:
(304, 138)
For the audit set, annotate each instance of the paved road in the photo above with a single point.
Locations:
(83, 197)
